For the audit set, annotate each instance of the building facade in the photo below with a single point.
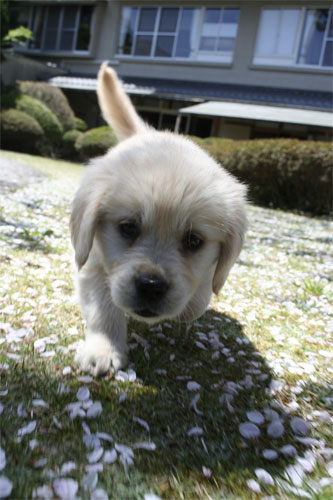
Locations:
(173, 55)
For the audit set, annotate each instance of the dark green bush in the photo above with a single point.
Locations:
(281, 173)
(68, 144)
(80, 124)
(95, 142)
(52, 97)
(19, 131)
(43, 115)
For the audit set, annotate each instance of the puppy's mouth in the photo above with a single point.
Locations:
(146, 313)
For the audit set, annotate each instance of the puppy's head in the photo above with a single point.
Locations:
(163, 220)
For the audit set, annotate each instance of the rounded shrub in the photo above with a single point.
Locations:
(54, 98)
(80, 124)
(68, 144)
(95, 142)
(43, 115)
(282, 173)
(19, 131)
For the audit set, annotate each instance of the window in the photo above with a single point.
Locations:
(295, 37)
(60, 28)
(219, 30)
(317, 38)
(177, 32)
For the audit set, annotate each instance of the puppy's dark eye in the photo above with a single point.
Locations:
(129, 230)
(192, 242)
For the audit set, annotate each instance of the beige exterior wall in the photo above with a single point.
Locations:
(105, 31)
(242, 70)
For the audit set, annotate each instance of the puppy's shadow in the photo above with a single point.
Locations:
(198, 385)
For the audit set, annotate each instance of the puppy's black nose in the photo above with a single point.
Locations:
(151, 286)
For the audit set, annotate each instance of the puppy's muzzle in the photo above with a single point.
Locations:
(150, 290)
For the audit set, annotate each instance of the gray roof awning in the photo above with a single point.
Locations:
(260, 112)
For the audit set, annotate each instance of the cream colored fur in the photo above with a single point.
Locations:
(170, 190)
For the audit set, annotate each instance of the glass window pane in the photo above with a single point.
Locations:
(313, 35)
(328, 55)
(225, 44)
(268, 32)
(211, 25)
(126, 37)
(38, 16)
(143, 45)
(66, 40)
(212, 16)
(287, 33)
(50, 40)
(207, 43)
(164, 46)
(18, 15)
(83, 36)
(147, 19)
(53, 17)
(185, 34)
(69, 18)
(230, 16)
(168, 21)
(330, 30)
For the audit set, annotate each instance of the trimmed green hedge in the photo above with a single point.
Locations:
(19, 131)
(68, 144)
(43, 115)
(280, 173)
(80, 124)
(54, 98)
(95, 142)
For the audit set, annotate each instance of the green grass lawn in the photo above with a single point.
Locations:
(236, 405)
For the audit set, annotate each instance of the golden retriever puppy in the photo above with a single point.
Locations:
(156, 226)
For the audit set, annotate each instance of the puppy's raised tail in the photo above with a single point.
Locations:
(117, 109)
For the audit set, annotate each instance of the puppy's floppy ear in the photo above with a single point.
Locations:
(230, 249)
(83, 223)
(116, 107)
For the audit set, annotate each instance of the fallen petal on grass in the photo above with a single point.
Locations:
(275, 429)
(6, 487)
(142, 422)
(249, 430)
(145, 445)
(95, 455)
(99, 494)
(195, 431)
(270, 454)
(66, 489)
(110, 456)
(300, 426)
(264, 476)
(253, 485)
(255, 417)
(193, 386)
(28, 429)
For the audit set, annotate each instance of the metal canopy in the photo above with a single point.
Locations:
(260, 112)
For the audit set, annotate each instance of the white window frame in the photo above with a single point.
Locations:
(59, 30)
(276, 60)
(197, 54)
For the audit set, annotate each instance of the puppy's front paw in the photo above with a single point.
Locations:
(97, 355)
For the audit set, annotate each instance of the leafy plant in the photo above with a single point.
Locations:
(280, 173)
(18, 36)
(19, 131)
(95, 142)
(53, 98)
